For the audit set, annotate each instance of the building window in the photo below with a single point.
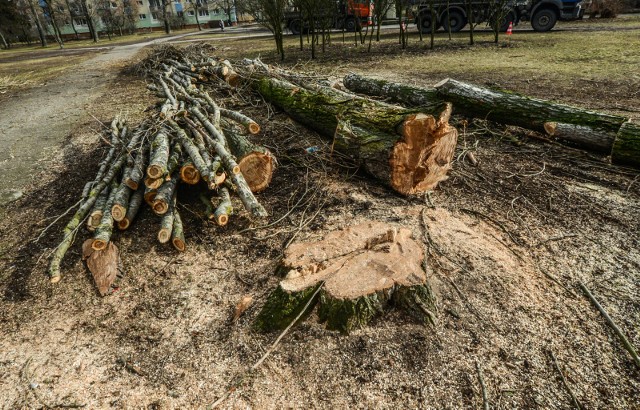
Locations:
(203, 13)
(154, 16)
(81, 22)
(191, 13)
(216, 11)
(142, 16)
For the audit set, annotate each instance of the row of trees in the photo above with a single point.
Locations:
(24, 21)
(320, 16)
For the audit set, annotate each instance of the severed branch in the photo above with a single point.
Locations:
(623, 339)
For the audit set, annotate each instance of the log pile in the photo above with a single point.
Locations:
(189, 139)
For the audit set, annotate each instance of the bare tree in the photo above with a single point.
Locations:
(380, 9)
(50, 9)
(270, 13)
(35, 17)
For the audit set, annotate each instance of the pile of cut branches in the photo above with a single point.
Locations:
(188, 139)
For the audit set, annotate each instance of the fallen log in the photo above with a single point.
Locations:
(256, 162)
(361, 269)
(626, 149)
(396, 92)
(532, 113)
(609, 134)
(104, 230)
(132, 210)
(177, 234)
(396, 145)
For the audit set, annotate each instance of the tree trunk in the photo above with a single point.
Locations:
(352, 275)
(71, 16)
(401, 93)
(4, 42)
(626, 149)
(531, 113)
(36, 18)
(604, 133)
(177, 234)
(132, 210)
(256, 162)
(405, 148)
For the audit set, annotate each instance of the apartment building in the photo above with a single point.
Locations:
(182, 14)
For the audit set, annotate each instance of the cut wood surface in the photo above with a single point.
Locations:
(379, 136)
(362, 268)
(103, 264)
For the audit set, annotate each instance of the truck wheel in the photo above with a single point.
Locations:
(350, 25)
(456, 19)
(295, 26)
(424, 23)
(544, 20)
(509, 18)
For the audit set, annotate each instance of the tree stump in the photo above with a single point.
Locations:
(361, 269)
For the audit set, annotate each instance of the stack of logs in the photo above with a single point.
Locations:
(189, 139)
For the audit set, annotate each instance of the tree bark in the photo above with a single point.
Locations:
(177, 234)
(224, 209)
(626, 149)
(36, 18)
(103, 231)
(401, 93)
(530, 113)
(599, 132)
(407, 149)
(132, 210)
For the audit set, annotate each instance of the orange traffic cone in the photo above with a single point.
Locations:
(510, 29)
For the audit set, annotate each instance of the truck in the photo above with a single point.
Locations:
(542, 14)
(350, 15)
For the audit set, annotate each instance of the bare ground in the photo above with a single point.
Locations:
(507, 243)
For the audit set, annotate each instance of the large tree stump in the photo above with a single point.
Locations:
(361, 269)
(399, 146)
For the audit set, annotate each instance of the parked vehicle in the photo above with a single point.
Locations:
(350, 15)
(543, 14)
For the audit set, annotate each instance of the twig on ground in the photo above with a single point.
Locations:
(266, 354)
(485, 401)
(554, 279)
(555, 239)
(623, 339)
(574, 399)
(71, 208)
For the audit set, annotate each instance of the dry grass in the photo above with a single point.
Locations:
(20, 75)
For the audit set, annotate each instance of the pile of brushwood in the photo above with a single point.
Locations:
(191, 137)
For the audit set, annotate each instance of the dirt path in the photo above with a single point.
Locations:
(34, 123)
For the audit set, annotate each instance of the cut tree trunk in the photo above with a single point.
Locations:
(597, 130)
(399, 146)
(121, 202)
(224, 209)
(256, 163)
(162, 200)
(396, 92)
(159, 156)
(132, 210)
(361, 269)
(626, 149)
(104, 230)
(177, 235)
